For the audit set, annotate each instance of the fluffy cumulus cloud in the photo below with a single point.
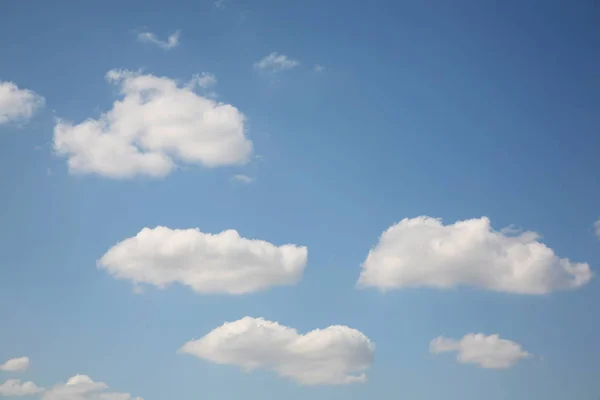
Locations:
(15, 364)
(155, 125)
(422, 251)
(16, 388)
(208, 263)
(171, 42)
(485, 351)
(275, 62)
(82, 387)
(331, 356)
(16, 104)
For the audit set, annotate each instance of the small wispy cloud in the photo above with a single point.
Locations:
(171, 42)
(319, 68)
(276, 62)
(597, 229)
(243, 178)
(221, 4)
(511, 230)
(203, 80)
(485, 351)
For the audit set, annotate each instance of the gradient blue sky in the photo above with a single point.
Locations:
(452, 109)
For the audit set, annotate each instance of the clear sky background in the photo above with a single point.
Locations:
(449, 109)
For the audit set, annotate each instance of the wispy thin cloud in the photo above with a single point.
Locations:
(275, 62)
(511, 230)
(319, 68)
(221, 4)
(597, 228)
(243, 178)
(171, 42)
(203, 80)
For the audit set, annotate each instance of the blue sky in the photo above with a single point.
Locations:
(453, 110)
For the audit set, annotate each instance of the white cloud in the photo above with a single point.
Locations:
(171, 42)
(155, 125)
(203, 80)
(243, 178)
(208, 263)
(220, 4)
(15, 364)
(16, 388)
(319, 68)
(275, 62)
(17, 105)
(485, 351)
(79, 387)
(331, 356)
(422, 252)
(82, 387)
(597, 228)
